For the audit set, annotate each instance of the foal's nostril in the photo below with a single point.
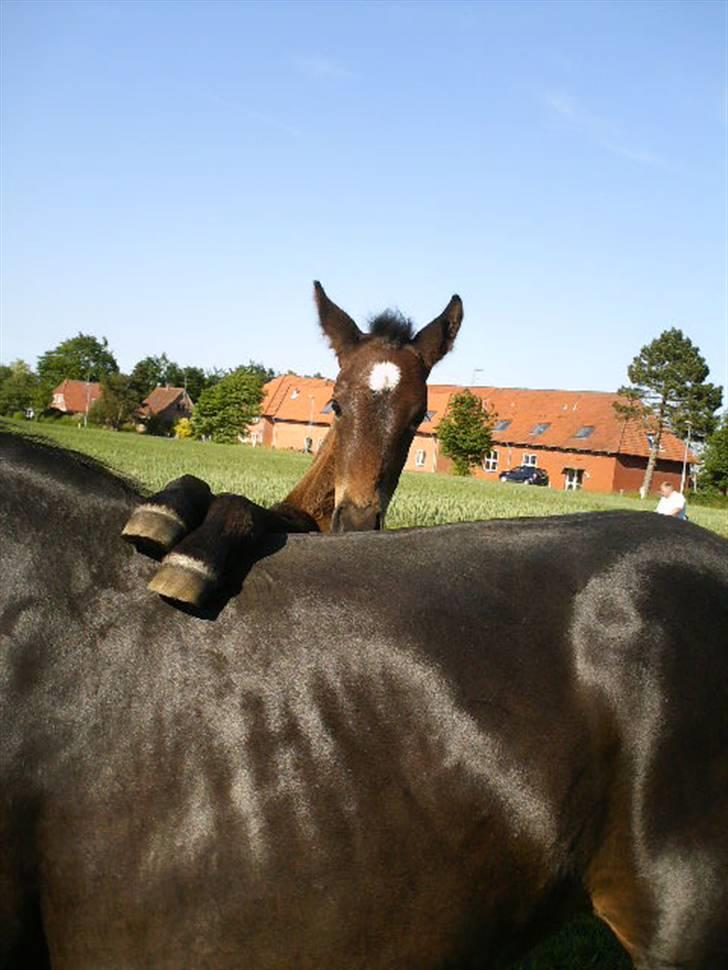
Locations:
(353, 518)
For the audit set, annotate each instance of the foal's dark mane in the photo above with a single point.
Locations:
(392, 327)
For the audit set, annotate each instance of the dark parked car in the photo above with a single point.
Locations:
(525, 475)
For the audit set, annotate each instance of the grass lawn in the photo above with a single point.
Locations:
(421, 499)
(266, 476)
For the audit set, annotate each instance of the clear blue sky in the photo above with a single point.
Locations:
(175, 174)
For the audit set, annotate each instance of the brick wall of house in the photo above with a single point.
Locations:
(630, 470)
(597, 471)
(292, 435)
(423, 455)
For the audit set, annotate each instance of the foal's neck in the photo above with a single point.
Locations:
(314, 494)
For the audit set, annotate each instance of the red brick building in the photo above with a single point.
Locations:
(296, 413)
(575, 436)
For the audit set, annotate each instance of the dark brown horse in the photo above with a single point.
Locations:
(413, 750)
(379, 399)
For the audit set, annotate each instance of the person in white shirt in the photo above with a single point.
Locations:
(671, 502)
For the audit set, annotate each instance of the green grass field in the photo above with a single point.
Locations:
(265, 476)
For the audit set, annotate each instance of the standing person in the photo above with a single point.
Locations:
(671, 502)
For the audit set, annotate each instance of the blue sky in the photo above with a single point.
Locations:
(175, 174)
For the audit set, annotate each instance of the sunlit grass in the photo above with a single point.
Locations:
(266, 476)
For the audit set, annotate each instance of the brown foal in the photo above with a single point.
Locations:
(379, 399)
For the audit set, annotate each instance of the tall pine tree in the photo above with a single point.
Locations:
(668, 390)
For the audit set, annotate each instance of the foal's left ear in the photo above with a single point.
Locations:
(338, 326)
(436, 339)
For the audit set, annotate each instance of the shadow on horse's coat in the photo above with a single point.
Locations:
(418, 749)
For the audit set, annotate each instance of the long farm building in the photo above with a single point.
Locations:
(575, 436)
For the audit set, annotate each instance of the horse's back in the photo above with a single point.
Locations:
(387, 751)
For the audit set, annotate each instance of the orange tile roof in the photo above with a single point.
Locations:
(565, 412)
(301, 399)
(293, 398)
(76, 396)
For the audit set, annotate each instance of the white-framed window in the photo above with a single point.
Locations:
(573, 479)
(420, 457)
(490, 462)
(530, 459)
(308, 445)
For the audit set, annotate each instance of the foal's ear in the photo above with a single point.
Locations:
(436, 339)
(338, 326)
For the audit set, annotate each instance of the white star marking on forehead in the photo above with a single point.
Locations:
(384, 376)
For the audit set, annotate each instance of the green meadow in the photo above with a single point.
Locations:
(266, 476)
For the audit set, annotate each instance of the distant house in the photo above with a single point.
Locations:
(295, 413)
(575, 436)
(165, 406)
(75, 397)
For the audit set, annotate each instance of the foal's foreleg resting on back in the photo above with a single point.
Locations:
(203, 562)
(167, 516)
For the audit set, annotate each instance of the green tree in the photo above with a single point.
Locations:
(263, 373)
(118, 402)
(148, 373)
(18, 387)
(668, 390)
(195, 381)
(151, 372)
(714, 471)
(81, 358)
(225, 410)
(465, 432)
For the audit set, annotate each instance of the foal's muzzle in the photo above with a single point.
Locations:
(353, 518)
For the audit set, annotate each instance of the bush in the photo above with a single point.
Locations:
(183, 428)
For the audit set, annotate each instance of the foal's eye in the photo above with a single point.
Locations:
(336, 407)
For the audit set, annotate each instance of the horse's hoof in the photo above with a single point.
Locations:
(184, 579)
(154, 529)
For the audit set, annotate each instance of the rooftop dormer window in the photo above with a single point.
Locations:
(539, 429)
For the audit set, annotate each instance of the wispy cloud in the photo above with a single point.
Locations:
(319, 66)
(602, 131)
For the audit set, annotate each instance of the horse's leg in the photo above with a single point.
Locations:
(199, 567)
(162, 520)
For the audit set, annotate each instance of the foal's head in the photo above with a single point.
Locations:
(379, 399)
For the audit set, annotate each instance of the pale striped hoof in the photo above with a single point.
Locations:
(154, 529)
(184, 579)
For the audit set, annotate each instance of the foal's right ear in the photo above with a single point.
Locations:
(338, 326)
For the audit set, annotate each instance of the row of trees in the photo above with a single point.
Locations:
(668, 390)
(86, 358)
